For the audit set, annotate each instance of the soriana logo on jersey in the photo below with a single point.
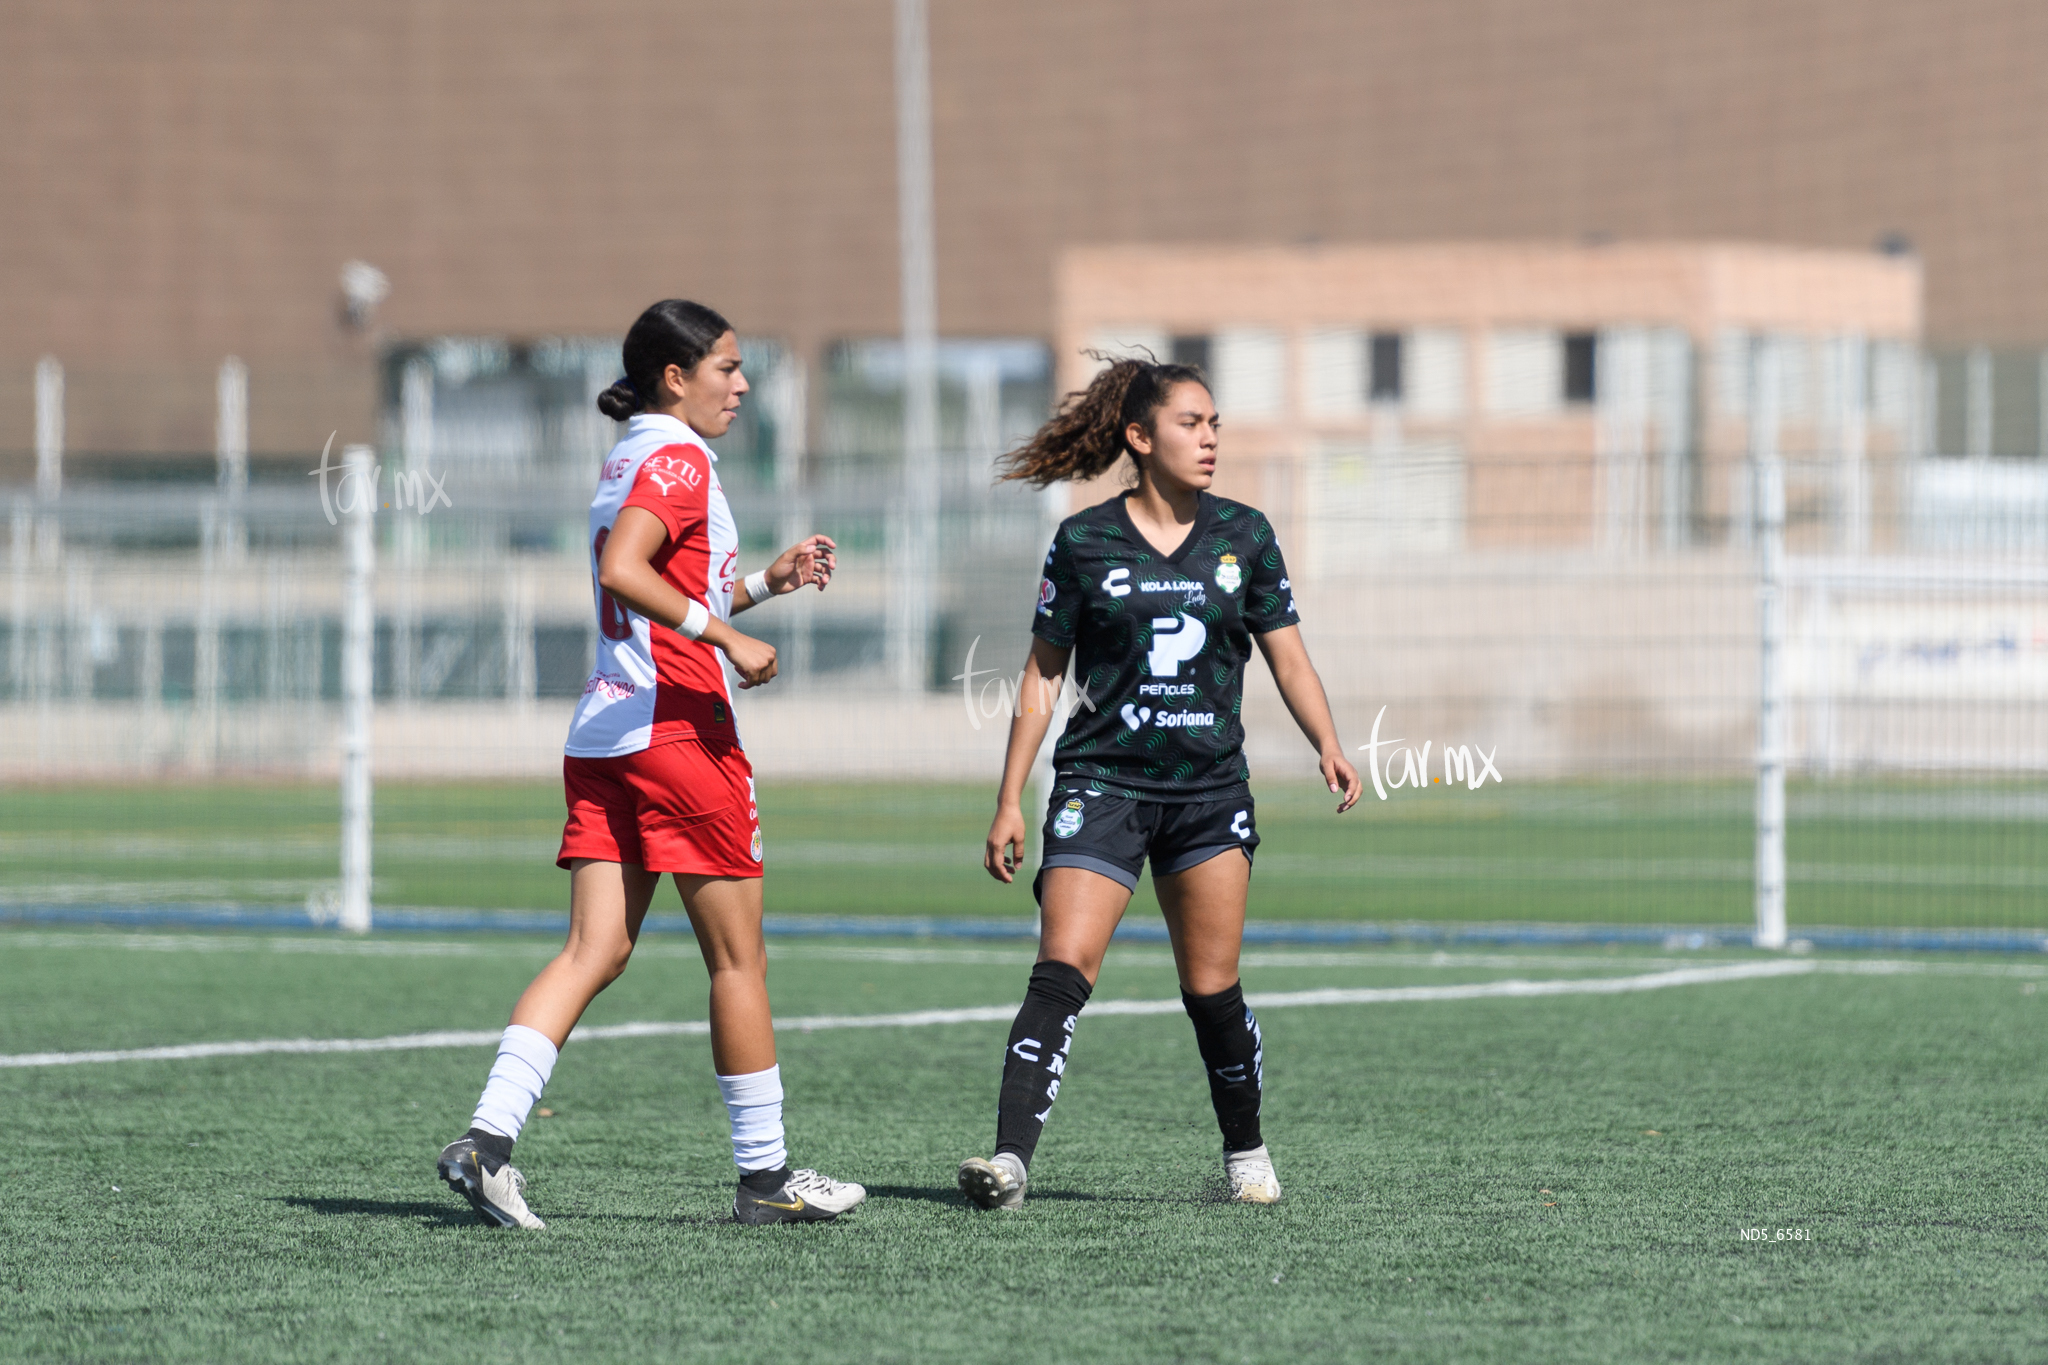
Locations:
(669, 472)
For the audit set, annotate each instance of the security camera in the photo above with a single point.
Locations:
(363, 287)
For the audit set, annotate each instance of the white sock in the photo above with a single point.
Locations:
(525, 1058)
(755, 1103)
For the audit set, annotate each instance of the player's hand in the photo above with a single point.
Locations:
(813, 559)
(1005, 851)
(753, 659)
(1342, 778)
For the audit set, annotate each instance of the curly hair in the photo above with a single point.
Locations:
(1087, 435)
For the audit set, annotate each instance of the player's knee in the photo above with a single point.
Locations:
(1061, 983)
(1205, 979)
(742, 966)
(604, 962)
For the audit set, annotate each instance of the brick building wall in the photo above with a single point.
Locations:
(182, 182)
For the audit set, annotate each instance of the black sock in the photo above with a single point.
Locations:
(1232, 1054)
(1037, 1055)
(493, 1150)
(765, 1182)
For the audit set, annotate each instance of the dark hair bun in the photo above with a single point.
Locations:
(672, 332)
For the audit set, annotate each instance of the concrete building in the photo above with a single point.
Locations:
(1438, 397)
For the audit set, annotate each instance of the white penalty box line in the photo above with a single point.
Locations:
(982, 1014)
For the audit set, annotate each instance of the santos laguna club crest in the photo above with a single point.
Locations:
(1228, 574)
(1068, 822)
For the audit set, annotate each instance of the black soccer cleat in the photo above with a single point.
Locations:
(494, 1188)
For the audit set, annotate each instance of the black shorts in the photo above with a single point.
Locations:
(1113, 835)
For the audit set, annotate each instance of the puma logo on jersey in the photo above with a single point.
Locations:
(1174, 644)
(665, 472)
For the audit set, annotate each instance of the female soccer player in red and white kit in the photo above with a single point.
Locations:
(656, 780)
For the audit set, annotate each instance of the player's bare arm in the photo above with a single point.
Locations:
(626, 571)
(1043, 673)
(1301, 687)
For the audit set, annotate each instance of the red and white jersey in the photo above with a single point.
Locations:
(650, 684)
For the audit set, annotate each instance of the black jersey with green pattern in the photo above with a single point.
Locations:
(1161, 643)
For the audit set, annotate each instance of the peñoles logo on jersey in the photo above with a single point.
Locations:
(1176, 640)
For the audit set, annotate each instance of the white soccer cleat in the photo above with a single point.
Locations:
(821, 1192)
(805, 1197)
(498, 1196)
(1251, 1176)
(997, 1183)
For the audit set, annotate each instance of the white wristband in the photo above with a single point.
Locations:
(757, 588)
(695, 621)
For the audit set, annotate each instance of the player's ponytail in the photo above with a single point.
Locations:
(672, 332)
(1086, 436)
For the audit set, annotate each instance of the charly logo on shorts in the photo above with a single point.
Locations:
(1068, 822)
(755, 847)
(1228, 574)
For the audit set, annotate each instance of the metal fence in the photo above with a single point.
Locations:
(1812, 685)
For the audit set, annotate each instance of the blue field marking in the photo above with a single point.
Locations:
(438, 920)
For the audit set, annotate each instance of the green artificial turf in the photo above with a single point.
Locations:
(1560, 1178)
(1861, 852)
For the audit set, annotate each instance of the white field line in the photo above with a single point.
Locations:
(1691, 976)
(1367, 957)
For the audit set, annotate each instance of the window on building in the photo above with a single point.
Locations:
(502, 404)
(1383, 368)
(1250, 374)
(2016, 403)
(1434, 372)
(1581, 350)
(1335, 371)
(1522, 369)
(993, 393)
(1893, 375)
(1191, 350)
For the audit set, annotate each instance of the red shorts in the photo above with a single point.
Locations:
(684, 806)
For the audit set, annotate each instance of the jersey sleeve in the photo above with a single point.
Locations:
(1059, 596)
(1269, 597)
(672, 483)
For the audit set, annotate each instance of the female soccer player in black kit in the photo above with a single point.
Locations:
(1162, 590)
